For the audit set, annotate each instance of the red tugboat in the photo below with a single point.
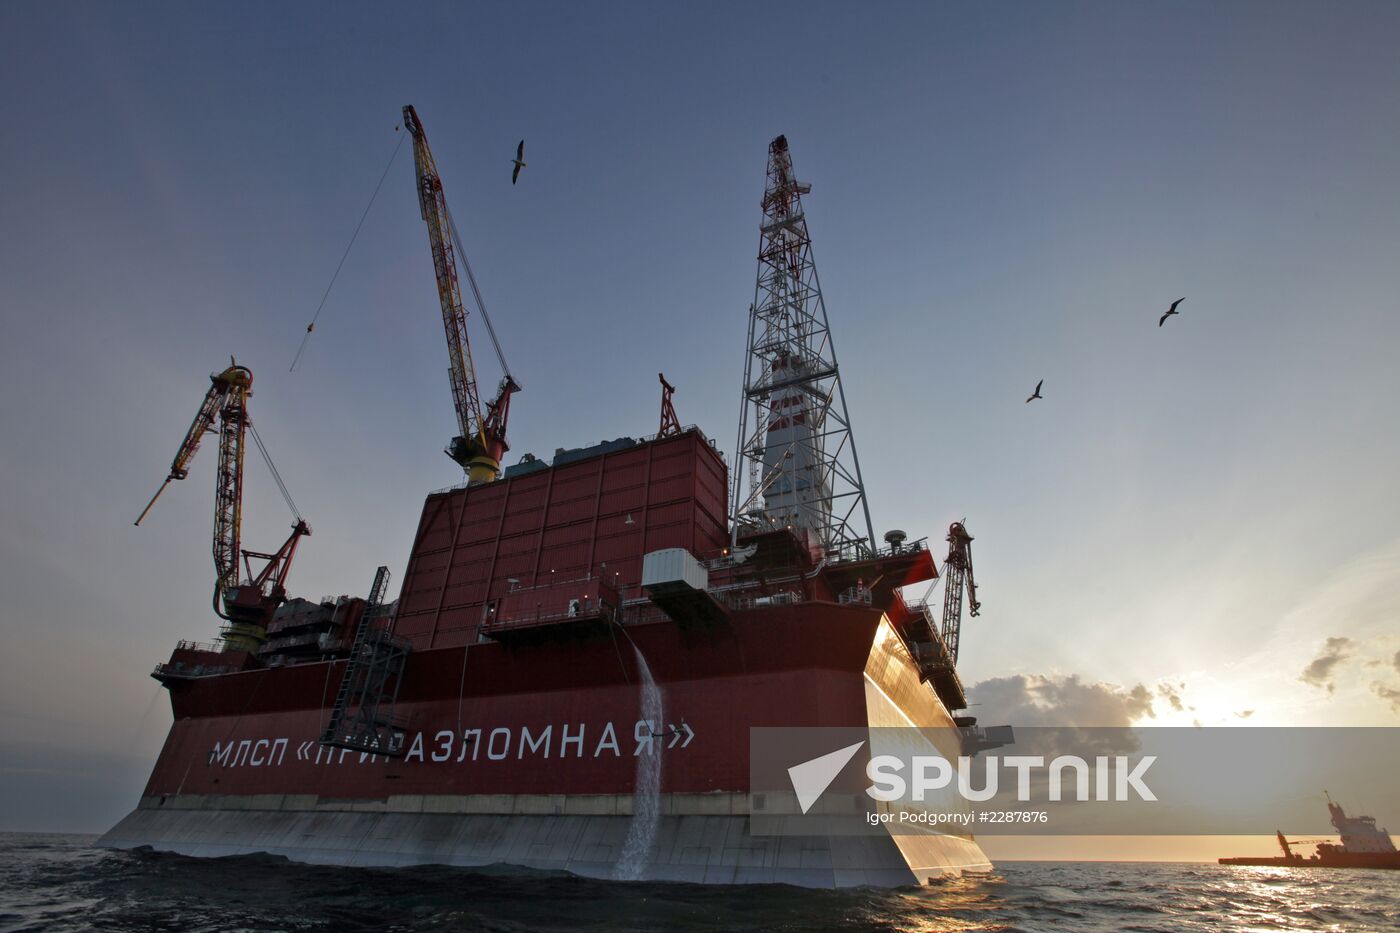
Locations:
(580, 646)
(1363, 846)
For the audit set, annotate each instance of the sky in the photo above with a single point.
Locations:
(1198, 523)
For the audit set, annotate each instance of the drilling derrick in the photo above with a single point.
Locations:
(795, 442)
(957, 573)
(481, 440)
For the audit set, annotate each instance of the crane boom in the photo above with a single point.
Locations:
(228, 484)
(481, 441)
(248, 606)
(957, 573)
(221, 385)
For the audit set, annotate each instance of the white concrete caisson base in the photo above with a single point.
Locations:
(700, 838)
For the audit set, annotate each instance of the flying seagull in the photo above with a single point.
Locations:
(1170, 311)
(1036, 394)
(519, 161)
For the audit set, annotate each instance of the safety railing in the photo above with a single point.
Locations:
(183, 645)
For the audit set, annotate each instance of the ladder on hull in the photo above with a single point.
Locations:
(362, 718)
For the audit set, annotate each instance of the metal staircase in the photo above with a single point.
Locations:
(934, 657)
(362, 718)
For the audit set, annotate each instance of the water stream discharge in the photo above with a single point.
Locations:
(646, 791)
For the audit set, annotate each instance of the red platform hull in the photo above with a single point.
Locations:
(521, 703)
(255, 732)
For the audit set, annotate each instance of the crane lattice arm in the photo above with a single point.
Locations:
(481, 443)
(221, 385)
(226, 400)
(957, 574)
(228, 486)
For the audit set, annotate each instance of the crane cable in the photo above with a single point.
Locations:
(312, 326)
(275, 475)
(476, 292)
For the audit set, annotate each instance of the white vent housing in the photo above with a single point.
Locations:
(673, 570)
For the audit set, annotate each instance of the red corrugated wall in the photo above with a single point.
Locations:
(563, 523)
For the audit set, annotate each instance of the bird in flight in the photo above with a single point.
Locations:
(519, 161)
(1170, 311)
(1036, 394)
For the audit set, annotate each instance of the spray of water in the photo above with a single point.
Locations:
(646, 791)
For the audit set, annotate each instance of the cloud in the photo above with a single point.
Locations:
(1060, 700)
(1318, 673)
(1384, 662)
(1390, 694)
(1057, 714)
(1172, 696)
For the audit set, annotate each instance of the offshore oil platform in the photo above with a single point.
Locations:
(580, 645)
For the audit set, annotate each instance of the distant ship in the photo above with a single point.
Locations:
(1363, 846)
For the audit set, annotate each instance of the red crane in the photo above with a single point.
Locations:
(481, 441)
(670, 424)
(247, 605)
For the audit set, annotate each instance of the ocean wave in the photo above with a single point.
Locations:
(60, 883)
